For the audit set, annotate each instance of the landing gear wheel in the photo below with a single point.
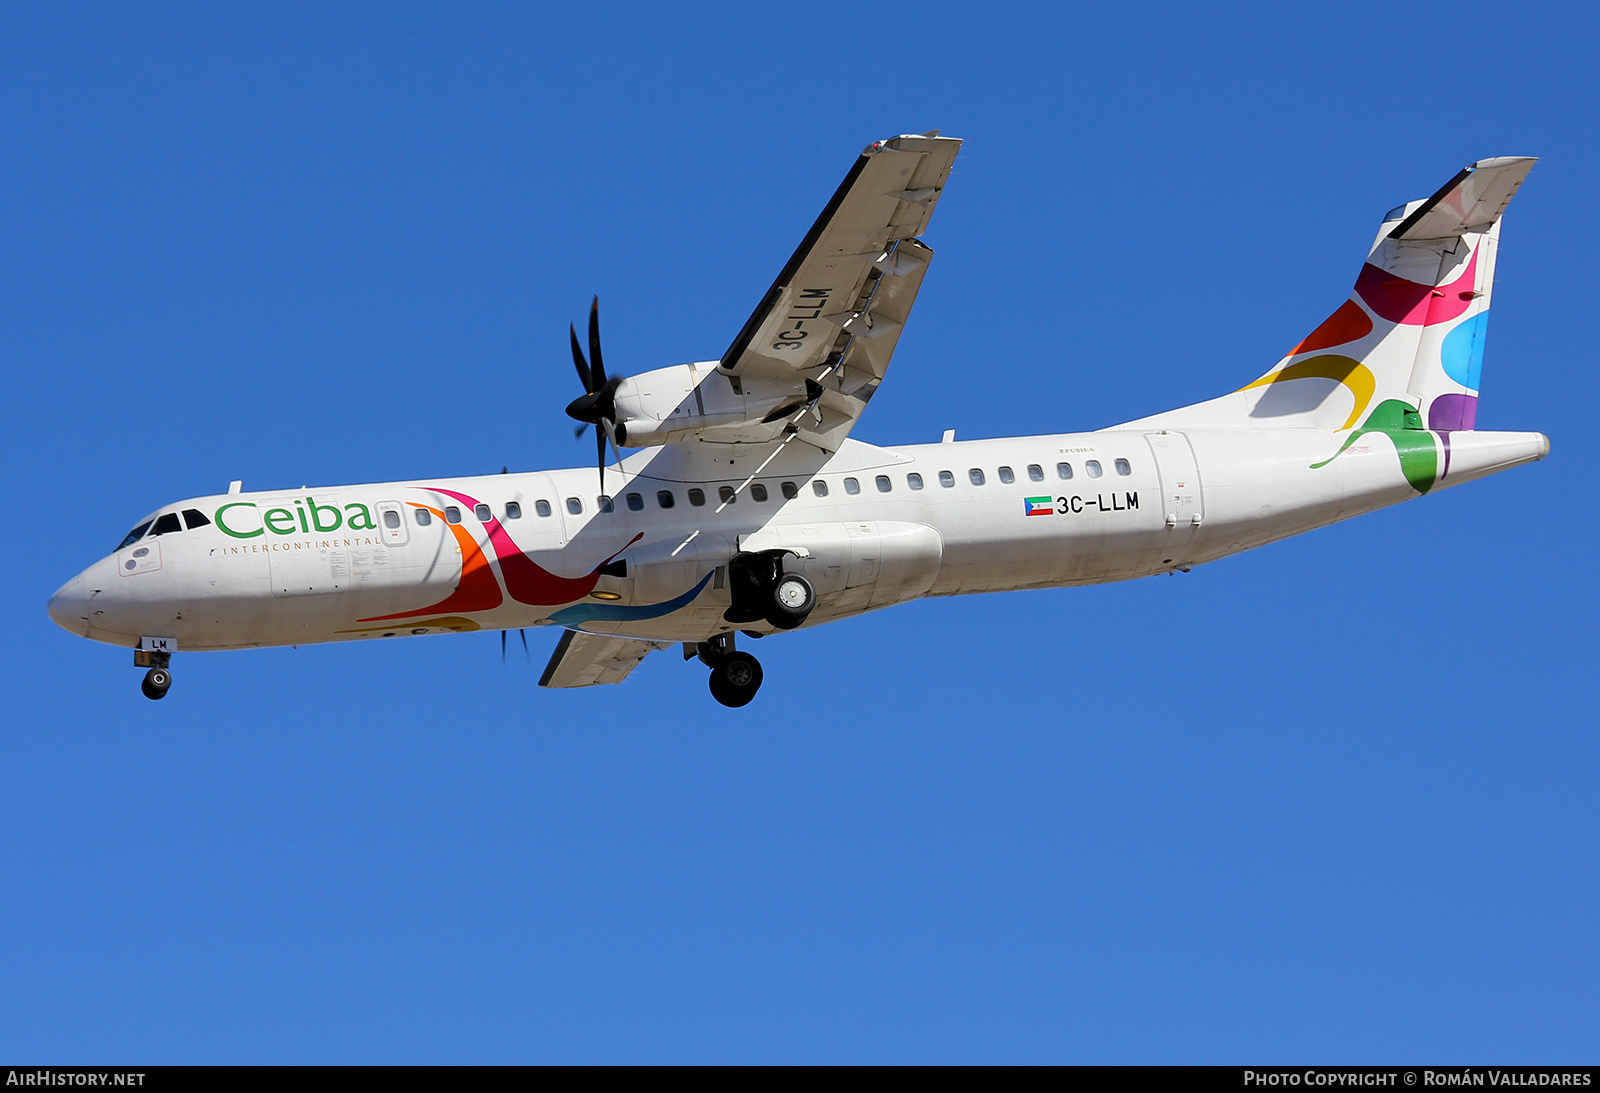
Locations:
(156, 682)
(735, 680)
(790, 601)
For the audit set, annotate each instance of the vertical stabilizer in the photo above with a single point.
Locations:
(1411, 332)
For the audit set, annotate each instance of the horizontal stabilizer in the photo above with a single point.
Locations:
(1470, 202)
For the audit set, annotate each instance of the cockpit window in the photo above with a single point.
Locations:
(194, 518)
(1394, 214)
(166, 524)
(136, 534)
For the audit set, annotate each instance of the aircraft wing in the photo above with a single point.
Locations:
(834, 315)
(585, 660)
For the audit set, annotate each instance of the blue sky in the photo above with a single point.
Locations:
(1332, 800)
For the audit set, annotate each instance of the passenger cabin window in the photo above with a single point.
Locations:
(1063, 470)
(1122, 467)
(166, 524)
(603, 503)
(883, 483)
(1007, 476)
(513, 510)
(914, 480)
(790, 491)
(482, 512)
(452, 515)
(1092, 468)
(424, 517)
(758, 492)
(542, 508)
(575, 506)
(851, 486)
(1035, 473)
(947, 479)
(194, 518)
(697, 497)
(725, 494)
(391, 518)
(134, 535)
(975, 476)
(635, 502)
(665, 499)
(819, 487)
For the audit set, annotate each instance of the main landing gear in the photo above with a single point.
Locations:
(159, 677)
(761, 590)
(735, 676)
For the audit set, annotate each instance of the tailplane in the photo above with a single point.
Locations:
(1411, 332)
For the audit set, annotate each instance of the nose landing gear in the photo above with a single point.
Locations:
(735, 676)
(159, 677)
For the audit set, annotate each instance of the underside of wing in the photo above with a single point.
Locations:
(586, 660)
(827, 327)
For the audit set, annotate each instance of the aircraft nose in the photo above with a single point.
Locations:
(69, 607)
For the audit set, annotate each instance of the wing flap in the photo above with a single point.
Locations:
(588, 660)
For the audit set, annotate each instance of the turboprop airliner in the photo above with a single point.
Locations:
(746, 508)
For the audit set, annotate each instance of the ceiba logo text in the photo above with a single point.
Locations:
(308, 516)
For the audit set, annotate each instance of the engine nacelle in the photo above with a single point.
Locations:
(668, 404)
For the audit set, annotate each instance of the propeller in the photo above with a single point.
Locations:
(525, 652)
(597, 405)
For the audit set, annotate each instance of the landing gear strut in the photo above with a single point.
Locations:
(735, 676)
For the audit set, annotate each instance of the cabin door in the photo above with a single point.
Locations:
(1182, 502)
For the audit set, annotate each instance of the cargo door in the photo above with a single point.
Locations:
(1182, 501)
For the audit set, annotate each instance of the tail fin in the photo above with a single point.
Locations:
(1412, 329)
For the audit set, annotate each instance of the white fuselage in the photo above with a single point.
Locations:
(293, 567)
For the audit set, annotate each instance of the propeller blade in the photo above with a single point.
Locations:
(599, 370)
(611, 435)
(525, 654)
(502, 648)
(600, 455)
(598, 403)
(578, 361)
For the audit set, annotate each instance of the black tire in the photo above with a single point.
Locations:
(155, 684)
(790, 601)
(736, 680)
